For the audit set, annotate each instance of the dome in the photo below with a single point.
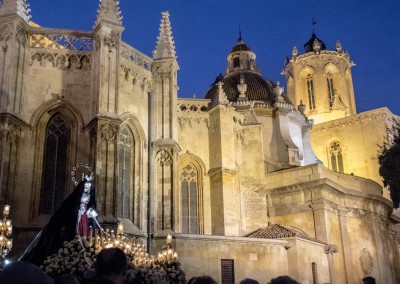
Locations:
(258, 89)
(241, 46)
(308, 46)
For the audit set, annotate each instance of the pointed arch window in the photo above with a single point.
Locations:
(190, 198)
(336, 156)
(126, 174)
(310, 92)
(331, 94)
(54, 164)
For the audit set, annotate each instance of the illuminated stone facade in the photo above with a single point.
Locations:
(233, 176)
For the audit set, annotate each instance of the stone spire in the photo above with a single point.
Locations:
(165, 42)
(16, 7)
(109, 12)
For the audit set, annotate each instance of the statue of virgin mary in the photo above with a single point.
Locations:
(73, 217)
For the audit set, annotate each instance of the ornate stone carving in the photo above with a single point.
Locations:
(21, 36)
(111, 40)
(163, 72)
(164, 158)
(61, 60)
(5, 32)
(366, 261)
(107, 133)
(11, 132)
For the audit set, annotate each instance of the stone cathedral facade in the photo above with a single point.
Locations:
(252, 181)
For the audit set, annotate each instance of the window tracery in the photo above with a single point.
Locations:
(331, 94)
(310, 92)
(336, 156)
(54, 164)
(190, 200)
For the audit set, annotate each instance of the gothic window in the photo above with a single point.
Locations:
(189, 200)
(310, 92)
(331, 94)
(236, 62)
(125, 168)
(54, 164)
(314, 273)
(336, 156)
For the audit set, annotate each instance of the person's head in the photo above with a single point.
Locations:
(204, 280)
(283, 280)
(66, 279)
(111, 262)
(87, 187)
(21, 272)
(249, 281)
(369, 280)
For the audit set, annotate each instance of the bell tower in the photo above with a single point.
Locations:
(321, 80)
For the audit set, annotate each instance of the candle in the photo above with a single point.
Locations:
(90, 235)
(169, 239)
(6, 210)
(120, 229)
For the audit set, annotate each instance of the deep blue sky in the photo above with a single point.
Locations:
(206, 30)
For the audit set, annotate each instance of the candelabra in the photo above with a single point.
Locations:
(5, 232)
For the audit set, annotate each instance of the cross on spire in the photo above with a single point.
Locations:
(313, 24)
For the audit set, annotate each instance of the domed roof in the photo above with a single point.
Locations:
(258, 89)
(308, 46)
(240, 45)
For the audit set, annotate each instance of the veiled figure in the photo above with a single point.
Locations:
(73, 217)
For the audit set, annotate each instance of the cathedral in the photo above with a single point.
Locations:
(252, 180)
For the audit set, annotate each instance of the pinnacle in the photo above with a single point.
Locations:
(16, 7)
(165, 42)
(109, 12)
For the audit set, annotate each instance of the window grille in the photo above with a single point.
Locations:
(227, 271)
(54, 164)
(314, 273)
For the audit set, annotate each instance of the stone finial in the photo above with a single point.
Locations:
(301, 107)
(337, 102)
(109, 12)
(242, 88)
(339, 48)
(16, 7)
(165, 47)
(278, 90)
(222, 98)
(295, 52)
(250, 118)
(316, 46)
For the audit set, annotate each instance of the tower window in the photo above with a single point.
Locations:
(227, 271)
(331, 94)
(236, 62)
(54, 164)
(336, 156)
(310, 92)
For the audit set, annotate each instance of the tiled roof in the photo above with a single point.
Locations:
(276, 231)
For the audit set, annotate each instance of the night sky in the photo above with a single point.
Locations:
(206, 30)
